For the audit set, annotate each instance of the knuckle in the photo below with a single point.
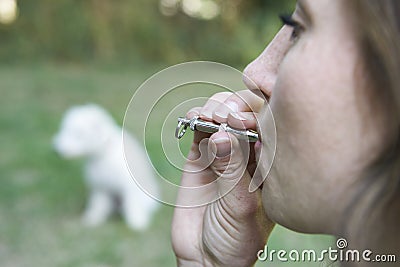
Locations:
(241, 99)
(193, 112)
(221, 96)
(227, 169)
(235, 98)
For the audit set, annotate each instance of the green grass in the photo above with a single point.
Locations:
(42, 196)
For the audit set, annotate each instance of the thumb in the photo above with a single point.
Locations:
(230, 166)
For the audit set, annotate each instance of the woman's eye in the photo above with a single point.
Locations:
(297, 28)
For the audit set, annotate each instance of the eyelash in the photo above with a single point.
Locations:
(297, 28)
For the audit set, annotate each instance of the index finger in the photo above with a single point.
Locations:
(242, 101)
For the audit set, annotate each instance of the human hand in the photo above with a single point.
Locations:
(231, 230)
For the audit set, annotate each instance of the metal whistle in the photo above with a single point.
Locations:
(197, 124)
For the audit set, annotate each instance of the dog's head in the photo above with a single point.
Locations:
(84, 131)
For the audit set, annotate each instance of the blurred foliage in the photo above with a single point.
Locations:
(135, 31)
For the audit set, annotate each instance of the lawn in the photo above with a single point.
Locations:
(42, 195)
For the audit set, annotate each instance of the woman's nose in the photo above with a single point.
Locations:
(261, 74)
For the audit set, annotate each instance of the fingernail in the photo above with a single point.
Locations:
(206, 114)
(222, 114)
(223, 145)
(239, 116)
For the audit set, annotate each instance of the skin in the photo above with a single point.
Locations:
(327, 135)
(324, 140)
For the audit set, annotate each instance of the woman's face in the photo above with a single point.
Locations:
(328, 131)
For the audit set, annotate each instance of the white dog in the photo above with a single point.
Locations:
(89, 131)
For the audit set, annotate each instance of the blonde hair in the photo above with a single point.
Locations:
(378, 28)
(377, 24)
